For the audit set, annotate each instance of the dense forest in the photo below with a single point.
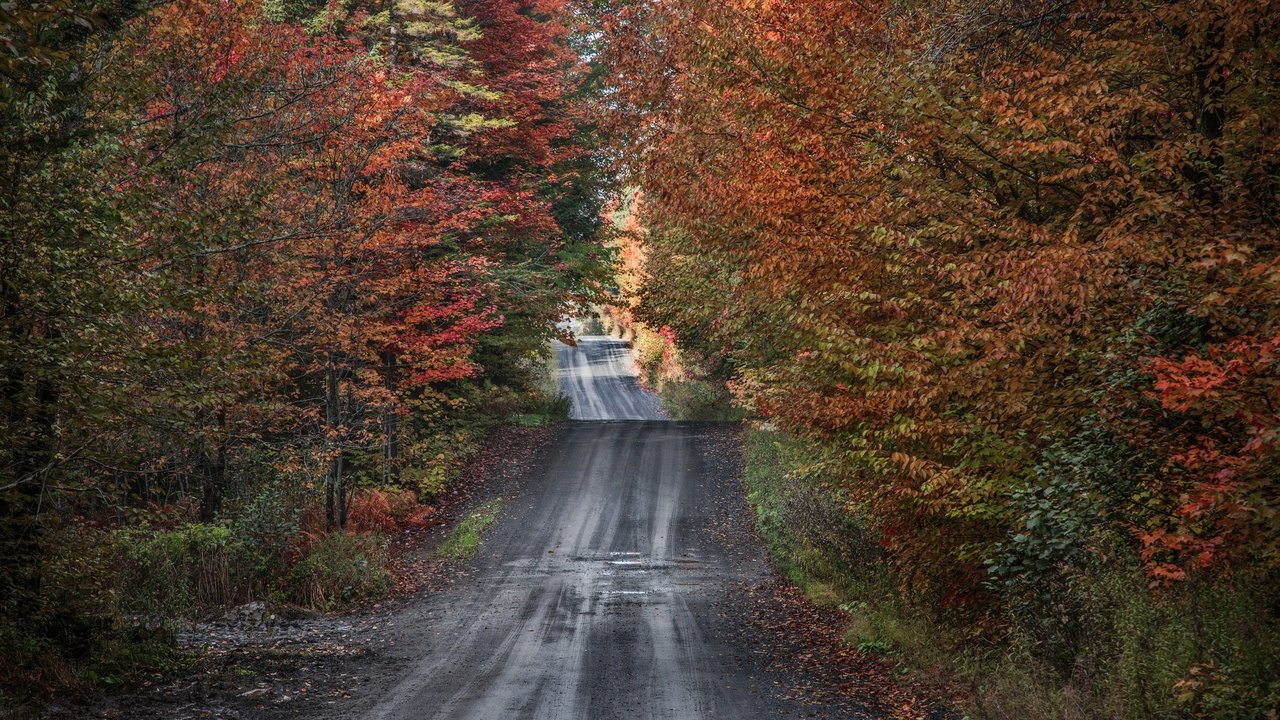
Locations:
(269, 271)
(1004, 279)
(993, 287)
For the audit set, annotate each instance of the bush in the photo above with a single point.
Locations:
(265, 528)
(1200, 652)
(447, 428)
(650, 350)
(339, 570)
(169, 573)
(435, 451)
(78, 588)
(1067, 513)
(699, 400)
(386, 510)
(78, 633)
(543, 402)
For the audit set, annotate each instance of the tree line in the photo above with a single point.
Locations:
(269, 249)
(1009, 273)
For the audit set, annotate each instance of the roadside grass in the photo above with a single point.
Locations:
(1193, 653)
(810, 539)
(341, 571)
(464, 541)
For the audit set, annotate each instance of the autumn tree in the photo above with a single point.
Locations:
(246, 242)
(61, 293)
(1020, 259)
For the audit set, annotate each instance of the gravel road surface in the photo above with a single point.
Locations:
(608, 587)
(599, 377)
(623, 579)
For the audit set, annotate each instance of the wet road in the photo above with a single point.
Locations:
(602, 591)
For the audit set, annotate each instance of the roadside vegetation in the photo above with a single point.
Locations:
(690, 383)
(1137, 655)
(464, 539)
(686, 394)
(998, 283)
(270, 273)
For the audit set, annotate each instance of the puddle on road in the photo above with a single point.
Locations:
(633, 561)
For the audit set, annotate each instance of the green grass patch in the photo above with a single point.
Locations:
(463, 542)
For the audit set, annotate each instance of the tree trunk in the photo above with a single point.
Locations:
(333, 417)
(393, 44)
(390, 426)
(213, 474)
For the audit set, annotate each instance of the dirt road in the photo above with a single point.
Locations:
(608, 587)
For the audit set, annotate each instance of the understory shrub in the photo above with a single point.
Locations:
(810, 534)
(85, 629)
(157, 576)
(699, 400)
(1202, 651)
(169, 573)
(266, 526)
(340, 569)
(1065, 517)
(544, 403)
(386, 511)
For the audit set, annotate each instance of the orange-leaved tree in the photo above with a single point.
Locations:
(1001, 242)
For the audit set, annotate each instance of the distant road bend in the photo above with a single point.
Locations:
(601, 592)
